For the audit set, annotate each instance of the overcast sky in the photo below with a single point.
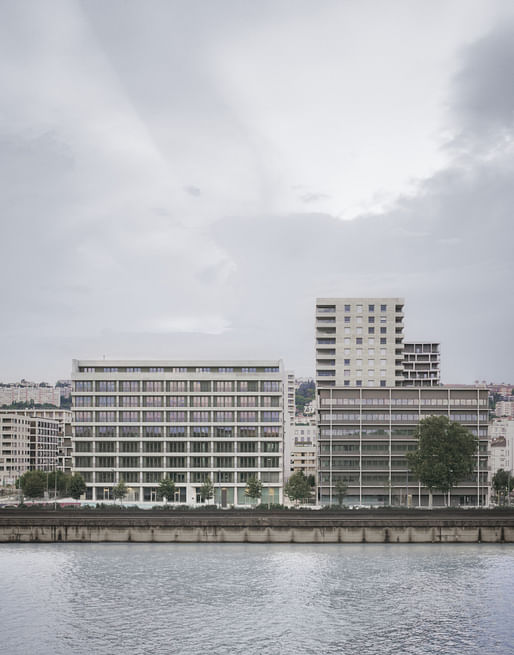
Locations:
(182, 179)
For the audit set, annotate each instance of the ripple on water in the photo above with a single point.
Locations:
(267, 599)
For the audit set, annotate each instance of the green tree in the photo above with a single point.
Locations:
(166, 489)
(503, 483)
(77, 486)
(207, 490)
(297, 487)
(253, 488)
(32, 483)
(58, 481)
(312, 480)
(341, 487)
(120, 490)
(446, 454)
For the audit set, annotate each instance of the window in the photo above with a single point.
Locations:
(383, 362)
(347, 330)
(382, 373)
(382, 383)
(358, 383)
(347, 342)
(247, 417)
(176, 401)
(371, 341)
(127, 417)
(346, 372)
(227, 370)
(383, 308)
(371, 352)
(176, 417)
(271, 386)
(346, 319)
(358, 330)
(347, 308)
(223, 386)
(106, 385)
(383, 352)
(347, 383)
(371, 330)
(358, 341)
(200, 401)
(177, 385)
(224, 401)
(156, 370)
(248, 401)
(359, 309)
(200, 431)
(84, 385)
(371, 362)
(383, 341)
(383, 319)
(129, 386)
(359, 362)
(371, 308)
(200, 417)
(134, 370)
(106, 417)
(272, 369)
(371, 319)
(371, 373)
(346, 351)
(359, 352)
(224, 417)
(152, 385)
(83, 401)
(83, 416)
(383, 330)
(175, 431)
(153, 417)
(347, 362)
(153, 401)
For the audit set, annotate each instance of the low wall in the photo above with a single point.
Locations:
(89, 528)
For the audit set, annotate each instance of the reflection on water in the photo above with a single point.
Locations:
(231, 598)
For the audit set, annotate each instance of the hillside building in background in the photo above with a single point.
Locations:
(26, 392)
(141, 421)
(501, 445)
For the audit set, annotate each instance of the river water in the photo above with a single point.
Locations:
(75, 599)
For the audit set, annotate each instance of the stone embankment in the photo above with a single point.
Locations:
(93, 526)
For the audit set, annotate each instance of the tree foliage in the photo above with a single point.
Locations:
(446, 453)
(297, 487)
(253, 488)
(32, 483)
(341, 487)
(304, 395)
(207, 490)
(166, 489)
(503, 482)
(120, 490)
(77, 486)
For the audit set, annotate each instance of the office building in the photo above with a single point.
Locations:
(141, 421)
(366, 433)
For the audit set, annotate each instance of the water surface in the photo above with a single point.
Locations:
(249, 598)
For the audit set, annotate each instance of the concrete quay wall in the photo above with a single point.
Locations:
(117, 529)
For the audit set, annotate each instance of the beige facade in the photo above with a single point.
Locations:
(359, 342)
(21, 393)
(141, 421)
(501, 445)
(304, 449)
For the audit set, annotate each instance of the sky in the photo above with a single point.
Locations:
(181, 180)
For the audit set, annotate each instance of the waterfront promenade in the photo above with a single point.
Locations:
(233, 526)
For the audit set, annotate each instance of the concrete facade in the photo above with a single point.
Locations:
(141, 421)
(421, 364)
(366, 433)
(359, 342)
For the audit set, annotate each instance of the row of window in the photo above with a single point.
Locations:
(84, 461)
(195, 386)
(177, 369)
(347, 341)
(177, 432)
(177, 417)
(326, 417)
(415, 400)
(176, 401)
(177, 446)
(180, 477)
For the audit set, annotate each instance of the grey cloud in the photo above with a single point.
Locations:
(193, 191)
(483, 92)
(313, 197)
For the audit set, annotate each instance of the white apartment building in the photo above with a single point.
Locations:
(14, 447)
(304, 449)
(501, 445)
(359, 342)
(51, 445)
(141, 421)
